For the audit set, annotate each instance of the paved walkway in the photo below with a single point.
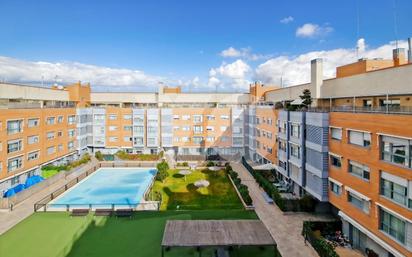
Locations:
(26, 208)
(285, 228)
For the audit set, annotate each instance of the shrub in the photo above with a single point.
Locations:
(243, 189)
(210, 164)
(322, 247)
(99, 156)
(162, 168)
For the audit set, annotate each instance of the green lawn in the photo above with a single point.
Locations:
(178, 193)
(58, 235)
(48, 173)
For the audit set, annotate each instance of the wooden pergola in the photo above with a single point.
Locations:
(216, 233)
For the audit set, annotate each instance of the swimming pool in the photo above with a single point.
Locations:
(120, 187)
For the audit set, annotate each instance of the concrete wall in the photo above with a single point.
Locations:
(12, 91)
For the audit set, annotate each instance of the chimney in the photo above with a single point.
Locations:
(410, 50)
(316, 77)
(399, 56)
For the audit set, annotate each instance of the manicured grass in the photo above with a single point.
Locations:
(178, 193)
(57, 234)
(48, 173)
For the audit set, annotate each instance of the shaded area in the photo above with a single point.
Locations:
(57, 234)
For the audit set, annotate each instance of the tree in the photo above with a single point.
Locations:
(306, 97)
(162, 168)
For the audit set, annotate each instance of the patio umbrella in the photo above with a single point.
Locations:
(214, 168)
(202, 183)
(185, 173)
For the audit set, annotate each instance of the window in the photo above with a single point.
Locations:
(15, 163)
(359, 138)
(32, 123)
(185, 139)
(176, 128)
(397, 150)
(60, 148)
(112, 128)
(14, 126)
(358, 202)
(269, 121)
(175, 117)
(390, 102)
(60, 119)
(269, 150)
(223, 128)
(112, 139)
(151, 130)
(138, 140)
(295, 130)
(50, 135)
(392, 225)
(282, 164)
(210, 128)
(15, 180)
(70, 145)
(224, 117)
(71, 132)
(359, 170)
(14, 146)
(112, 117)
(336, 133)
(50, 120)
(51, 150)
(59, 133)
(99, 117)
(198, 129)
(176, 139)
(151, 141)
(33, 156)
(269, 135)
(210, 117)
(127, 139)
(283, 126)
(71, 119)
(335, 161)
(127, 117)
(224, 139)
(127, 128)
(367, 103)
(197, 140)
(395, 188)
(197, 118)
(257, 120)
(186, 128)
(335, 188)
(282, 145)
(295, 150)
(138, 129)
(237, 130)
(185, 117)
(32, 139)
(210, 139)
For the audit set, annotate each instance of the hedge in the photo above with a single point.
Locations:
(243, 189)
(306, 203)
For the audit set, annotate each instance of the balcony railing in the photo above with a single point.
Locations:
(365, 109)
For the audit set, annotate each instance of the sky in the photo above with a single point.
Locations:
(224, 45)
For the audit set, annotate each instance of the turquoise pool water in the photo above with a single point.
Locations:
(119, 186)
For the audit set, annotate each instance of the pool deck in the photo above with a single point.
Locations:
(8, 219)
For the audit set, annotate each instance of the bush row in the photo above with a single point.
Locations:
(322, 247)
(243, 189)
(306, 203)
(138, 157)
(83, 160)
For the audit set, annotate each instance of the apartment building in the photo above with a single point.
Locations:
(351, 148)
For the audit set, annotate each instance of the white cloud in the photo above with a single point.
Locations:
(245, 53)
(287, 20)
(20, 71)
(230, 76)
(310, 30)
(295, 70)
(361, 45)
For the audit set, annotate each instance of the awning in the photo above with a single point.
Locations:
(297, 101)
(267, 166)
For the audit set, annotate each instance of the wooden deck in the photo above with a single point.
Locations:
(216, 233)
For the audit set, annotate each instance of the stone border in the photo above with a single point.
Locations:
(247, 207)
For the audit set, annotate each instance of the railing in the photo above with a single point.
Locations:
(143, 206)
(45, 200)
(364, 109)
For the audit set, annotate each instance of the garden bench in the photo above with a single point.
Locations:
(79, 212)
(103, 212)
(267, 198)
(124, 213)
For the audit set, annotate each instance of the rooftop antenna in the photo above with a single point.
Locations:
(357, 28)
(395, 23)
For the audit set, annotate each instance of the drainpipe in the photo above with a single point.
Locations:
(410, 50)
